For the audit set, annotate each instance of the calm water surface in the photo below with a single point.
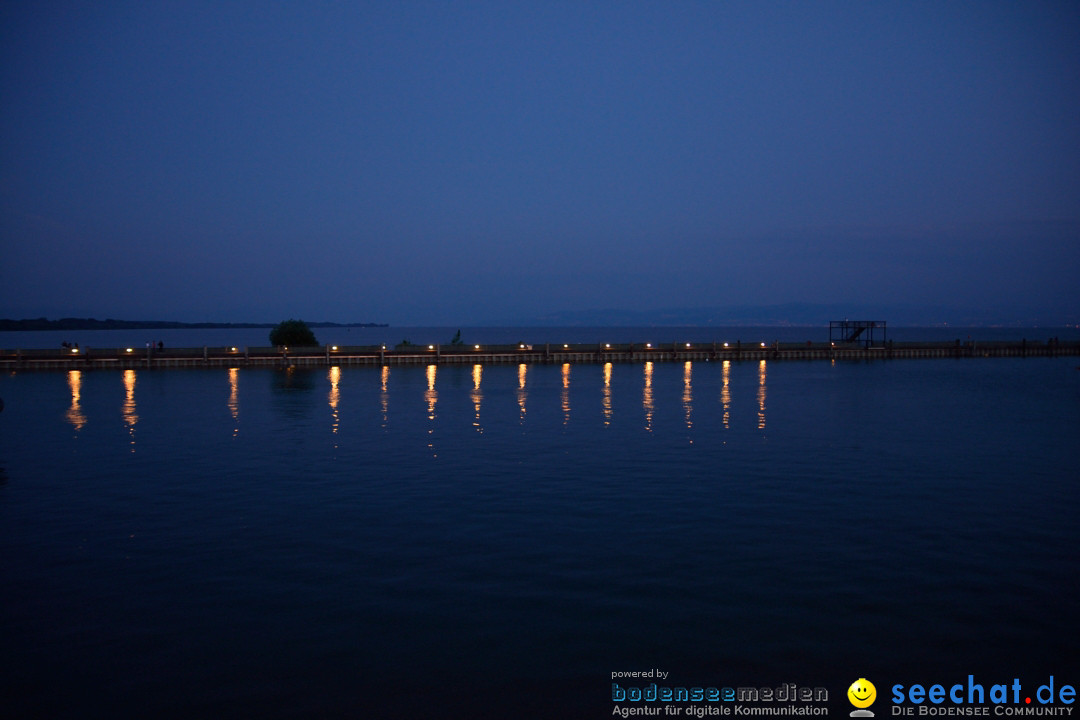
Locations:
(496, 541)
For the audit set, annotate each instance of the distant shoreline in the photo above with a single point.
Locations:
(36, 324)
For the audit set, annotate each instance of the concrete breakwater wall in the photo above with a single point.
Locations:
(330, 355)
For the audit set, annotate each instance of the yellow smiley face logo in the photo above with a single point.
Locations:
(862, 693)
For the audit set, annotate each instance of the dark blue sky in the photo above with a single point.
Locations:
(471, 162)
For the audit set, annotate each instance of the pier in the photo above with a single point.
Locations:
(550, 353)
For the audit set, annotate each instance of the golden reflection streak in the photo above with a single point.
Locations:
(607, 393)
(647, 396)
(75, 414)
(688, 394)
(334, 376)
(522, 394)
(384, 396)
(432, 397)
(477, 395)
(234, 397)
(725, 394)
(566, 393)
(761, 395)
(130, 416)
(234, 392)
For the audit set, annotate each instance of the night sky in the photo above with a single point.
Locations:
(483, 162)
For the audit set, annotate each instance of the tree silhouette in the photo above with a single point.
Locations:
(293, 333)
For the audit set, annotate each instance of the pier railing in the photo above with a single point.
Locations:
(236, 356)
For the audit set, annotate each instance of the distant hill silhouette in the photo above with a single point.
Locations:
(111, 324)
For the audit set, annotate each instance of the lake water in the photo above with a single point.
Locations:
(472, 542)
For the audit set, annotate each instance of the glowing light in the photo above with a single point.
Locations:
(74, 350)
(607, 345)
(687, 344)
(476, 347)
(232, 349)
(430, 347)
(725, 344)
(648, 345)
(762, 344)
(566, 347)
(127, 350)
(521, 347)
(334, 348)
(383, 347)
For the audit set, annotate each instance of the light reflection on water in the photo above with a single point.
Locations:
(647, 396)
(384, 395)
(301, 379)
(432, 397)
(334, 376)
(725, 395)
(130, 416)
(468, 541)
(761, 395)
(234, 399)
(477, 396)
(688, 395)
(607, 394)
(75, 414)
(522, 393)
(564, 395)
